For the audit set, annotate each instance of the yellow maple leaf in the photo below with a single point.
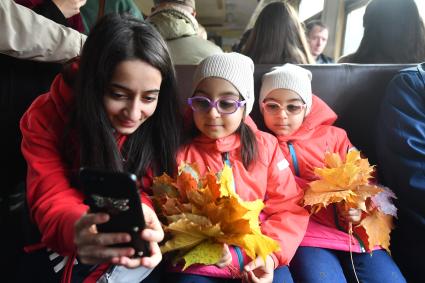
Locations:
(332, 160)
(254, 244)
(378, 226)
(362, 193)
(348, 183)
(341, 181)
(189, 232)
(207, 252)
(207, 211)
(319, 200)
(227, 185)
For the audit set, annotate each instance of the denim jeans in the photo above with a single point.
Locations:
(312, 264)
(281, 275)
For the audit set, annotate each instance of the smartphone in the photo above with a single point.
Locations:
(116, 194)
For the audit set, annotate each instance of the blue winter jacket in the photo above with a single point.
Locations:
(401, 142)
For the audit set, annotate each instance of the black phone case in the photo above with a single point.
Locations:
(116, 193)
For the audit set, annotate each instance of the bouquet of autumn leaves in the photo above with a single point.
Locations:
(347, 183)
(204, 212)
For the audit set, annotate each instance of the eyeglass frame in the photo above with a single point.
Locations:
(281, 108)
(214, 104)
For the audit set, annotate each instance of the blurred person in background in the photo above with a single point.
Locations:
(175, 20)
(317, 38)
(394, 33)
(278, 37)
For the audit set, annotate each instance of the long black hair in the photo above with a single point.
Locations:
(278, 37)
(393, 33)
(114, 39)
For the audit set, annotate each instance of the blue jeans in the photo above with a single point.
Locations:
(281, 275)
(323, 265)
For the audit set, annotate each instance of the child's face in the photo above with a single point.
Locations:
(283, 111)
(210, 122)
(132, 95)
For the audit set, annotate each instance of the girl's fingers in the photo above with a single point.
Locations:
(154, 259)
(87, 220)
(105, 239)
(96, 254)
(149, 262)
(154, 231)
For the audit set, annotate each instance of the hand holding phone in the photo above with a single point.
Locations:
(116, 194)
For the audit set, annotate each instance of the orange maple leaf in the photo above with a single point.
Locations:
(207, 210)
(377, 227)
(348, 183)
(341, 181)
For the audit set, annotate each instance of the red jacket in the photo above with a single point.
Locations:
(268, 179)
(55, 205)
(315, 137)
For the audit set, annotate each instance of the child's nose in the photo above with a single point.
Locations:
(283, 113)
(213, 112)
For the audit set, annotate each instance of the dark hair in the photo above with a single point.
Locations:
(114, 39)
(313, 23)
(278, 37)
(393, 33)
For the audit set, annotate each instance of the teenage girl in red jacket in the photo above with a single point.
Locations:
(119, 116)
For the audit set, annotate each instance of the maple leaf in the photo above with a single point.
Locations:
(212, 185)
(348, 183)
(227, 185)
(254, 244)
(319, 200)
(341, 181)
(362, 193)
(378, 227)
(205, 212)
(207, 252)
(188, 233)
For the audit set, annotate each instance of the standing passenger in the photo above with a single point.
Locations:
(278, 37)
(303, 125)
(175, 20)
(223, 96)
(120, 116)
(92, 11)
(52, 42)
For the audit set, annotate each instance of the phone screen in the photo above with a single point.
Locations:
(116, 194)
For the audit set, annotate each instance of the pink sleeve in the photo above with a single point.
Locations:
(285, 220)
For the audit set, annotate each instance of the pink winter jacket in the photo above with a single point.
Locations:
(315, 137)
(268, 178)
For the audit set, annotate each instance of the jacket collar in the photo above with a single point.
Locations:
(226, 144)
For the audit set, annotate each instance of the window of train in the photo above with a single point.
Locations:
(353, 30)
(309, 8)
(421, 7)
(354, 27)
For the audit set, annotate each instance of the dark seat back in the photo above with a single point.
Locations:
(353, 91)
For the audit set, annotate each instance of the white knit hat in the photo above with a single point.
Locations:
(290, 77)
(236, 68)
